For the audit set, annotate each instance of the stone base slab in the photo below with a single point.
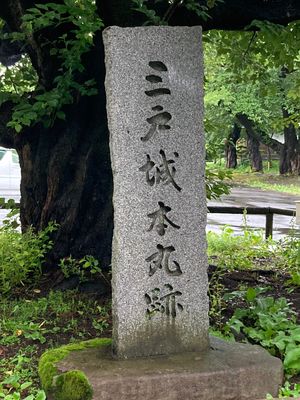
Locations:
(228, 371)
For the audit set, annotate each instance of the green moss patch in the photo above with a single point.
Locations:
(71, 385)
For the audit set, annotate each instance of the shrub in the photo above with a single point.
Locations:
(238, 251)
(22, 255)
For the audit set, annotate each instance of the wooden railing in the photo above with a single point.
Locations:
(267, 211)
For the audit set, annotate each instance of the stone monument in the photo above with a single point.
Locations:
(155, 114)
(160, 348)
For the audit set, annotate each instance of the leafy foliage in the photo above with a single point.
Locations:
(153, 18)
(85, 268)
(18, 382)
(252, 73)
(271, 323)
(25, 328)
(250, 250)
(22, 255)
(215, 180)
(46, 105)
(238, 252)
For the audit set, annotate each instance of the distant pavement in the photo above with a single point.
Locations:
(252, 197)
(239, 196)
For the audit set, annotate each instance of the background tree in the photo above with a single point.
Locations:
(247, 82)
(53, 102)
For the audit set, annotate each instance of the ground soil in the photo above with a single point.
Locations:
(230, 281)
(274, 280)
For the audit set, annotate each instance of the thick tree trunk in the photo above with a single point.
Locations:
(230, 147)
(253, 142)
(66, 177)
(254, 152)
(66, 172)
(259, 135)
(290, 152)
(66, 169)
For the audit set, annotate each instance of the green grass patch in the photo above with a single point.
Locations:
(270, 179)
(283, 184)
(251, 250)
(30, 325)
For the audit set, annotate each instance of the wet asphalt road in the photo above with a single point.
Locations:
(239, 196)
(242, 196)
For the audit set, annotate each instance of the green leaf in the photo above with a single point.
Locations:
(61, 115)
(292, 359)
(18, 128)
(250, 294)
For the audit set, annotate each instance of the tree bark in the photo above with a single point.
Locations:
(259, 135)
(66, 172)
(254, 152)
(290, 152)
(230, 147)
(66, 177)
(65, 169)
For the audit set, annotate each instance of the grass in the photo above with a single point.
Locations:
(33, 320)
(254, 294)
(270, 179)
(31, 324)
(252, 251)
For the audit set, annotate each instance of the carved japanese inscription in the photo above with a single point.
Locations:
(159, 263)
(163, 301)
(163, 172)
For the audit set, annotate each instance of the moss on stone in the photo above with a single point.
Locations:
(73, 385)
(61, 384)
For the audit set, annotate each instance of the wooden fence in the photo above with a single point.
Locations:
(267, 211)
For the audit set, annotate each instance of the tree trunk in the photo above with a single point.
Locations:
(259, 135)
(230, 147)
(66, 177)
(290, 153)
(252, 142)
(254, 152)
(66, 171)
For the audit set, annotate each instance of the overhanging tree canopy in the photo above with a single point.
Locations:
(56, 101)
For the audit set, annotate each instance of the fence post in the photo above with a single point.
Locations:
(269, 224)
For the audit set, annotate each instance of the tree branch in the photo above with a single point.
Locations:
(238, 14)
(227, 15)
(37, 45)
(258, 134)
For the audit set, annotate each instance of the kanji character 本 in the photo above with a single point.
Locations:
(164, 172)
(160, 260)
(160, 219)
(166, 304)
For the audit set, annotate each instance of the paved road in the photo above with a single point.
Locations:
(241, 196)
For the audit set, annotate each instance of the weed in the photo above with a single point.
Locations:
(287, 391)
(216, 298)
(272, 324)
(251, 250)
(85, 268)
(238, 252)
(29, 320)
(22, 255)
(46, 321)
(18, 379)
